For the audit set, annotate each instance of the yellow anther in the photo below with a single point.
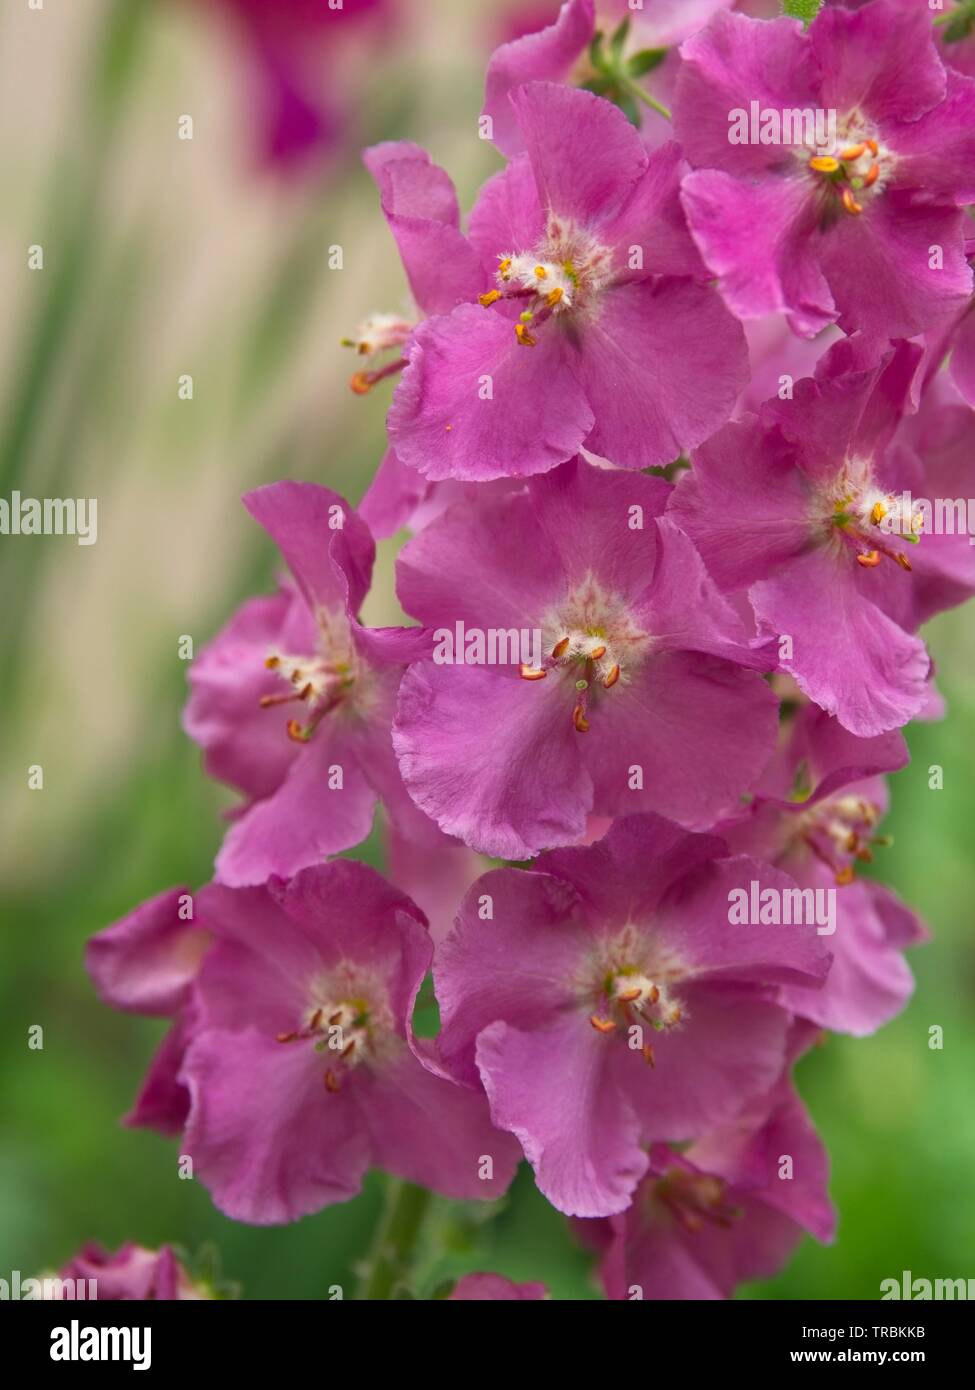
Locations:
(824, 164)
(504, 265)
(554, 296)
(877, 513)
(523, 335)
(491, 297)
(541, 272)
(869, 560)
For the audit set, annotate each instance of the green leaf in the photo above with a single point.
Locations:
(806, 10)
(618, 42)
(645, 61)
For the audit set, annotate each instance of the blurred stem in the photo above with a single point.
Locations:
(641, 94)
(399, 1230)
(71, 219)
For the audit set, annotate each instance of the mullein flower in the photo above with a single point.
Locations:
(635, 1012)
(810, 507)
(866, 229)
(645, 694)
(293, 701)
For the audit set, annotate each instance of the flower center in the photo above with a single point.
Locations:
(343, 1029)
(695, 1200)
(840, 833)
(854, 168)
(863, 516)
(561, 275)
(636, 999)
(593, 639)
(321, 681)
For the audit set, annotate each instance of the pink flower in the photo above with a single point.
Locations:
(636, 1012)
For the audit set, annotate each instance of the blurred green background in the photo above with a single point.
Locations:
(165, 257)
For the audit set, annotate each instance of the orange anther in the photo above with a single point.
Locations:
(853, 151)
(850, 203)
(611, 677)
(602, 1025)
(533, 673)
(579, 720)
(488, 298)
(332, 1082)
(523, 335)
(597, 653)
(872, 175)
(560, 647)
(869, 560)
(903, 561)
(845, 876)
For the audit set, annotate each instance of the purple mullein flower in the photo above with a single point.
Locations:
(640, 697)
(860, 223)
(634, 1011)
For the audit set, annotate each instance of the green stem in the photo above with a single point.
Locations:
(396, 1237)
(643, 95)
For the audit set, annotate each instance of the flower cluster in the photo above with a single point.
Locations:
(667, 609)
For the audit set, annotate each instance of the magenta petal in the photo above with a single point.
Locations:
(937, 152)
(146, 962)
(879, 59)
(731, 63)
(661, 366)
(420, 205)
(869, 981)
(879, 265)
(731, 1048)
(443, 421)
(487, 565)
(163, 1102)
(472, 971)
(586, 155)
(266, 1138)
(743, 503)
(435, 1132)
(451, 724)
(244, 744)
(653, 220)
(544, 56)
(699, 729)
(304, 821)
(847, 655)
(758, 239)
(551, 1087)
(328, 548)
(508, 216)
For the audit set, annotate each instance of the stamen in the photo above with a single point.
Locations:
(824, 164)
(850, 203)
(903, 561)
(597, 653)
(489, 298)
(648, 1056)
(872, 175)
(560, 647)
(869, 560)
(853, 151)
(332, 1083)
(611, 677)
(363, 382)
(579, 720)
(554, 296)
(845, 876)
(877, 513)
(525, 339)
(602, 1025)
(533, 673)
(541, 272)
